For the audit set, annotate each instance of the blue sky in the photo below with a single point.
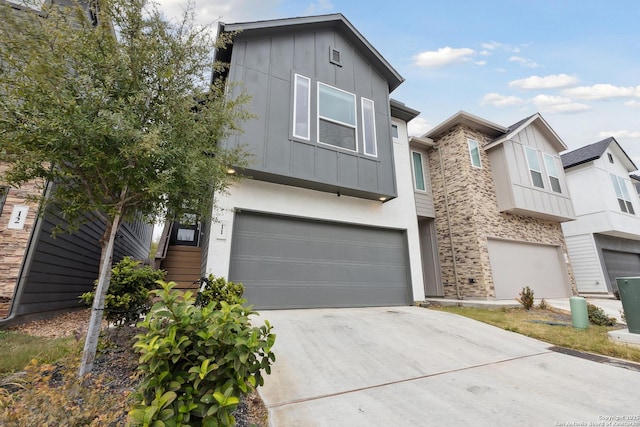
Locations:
(576, 62)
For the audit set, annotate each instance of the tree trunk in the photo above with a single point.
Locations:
(93, 332)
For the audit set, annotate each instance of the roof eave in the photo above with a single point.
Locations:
(463, 118)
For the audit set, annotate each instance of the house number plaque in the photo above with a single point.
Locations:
(18, 217)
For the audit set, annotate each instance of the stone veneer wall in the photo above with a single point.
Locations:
(13, 243)
(474, 216)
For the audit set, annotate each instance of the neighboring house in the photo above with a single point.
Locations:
(500, 196)
(39, 274)
(604, 241)
(328, 218)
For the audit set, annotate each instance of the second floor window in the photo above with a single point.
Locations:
(624, 201)
(552, 171)
(418, 171)
(333, 116)
(394, 132)
(534, 167)
(474, 152)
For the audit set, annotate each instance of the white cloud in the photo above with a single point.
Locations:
(318, 7)
(602, 91)
(480, 62)
(498, 100)
(632, 104)
(558, 104)
(491, 45)
(418, 126)
(553, 81)
(619, 134)
(443, 56)
(210, 11)
(524, 62)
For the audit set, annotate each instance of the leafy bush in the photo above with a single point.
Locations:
(543, 304)
(526, 298)
(197, 361)
(128, 295)
(598, 317)
(217, 289)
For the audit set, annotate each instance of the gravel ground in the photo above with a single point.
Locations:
(118, 362)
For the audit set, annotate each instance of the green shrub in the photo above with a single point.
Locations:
(217, 289)
(598, 317)
(197, 361)
(526, 298)
(128, 295)
(543, 304)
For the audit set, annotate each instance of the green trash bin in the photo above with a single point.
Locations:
(629, 288)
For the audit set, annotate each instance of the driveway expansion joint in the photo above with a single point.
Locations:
(406, 380)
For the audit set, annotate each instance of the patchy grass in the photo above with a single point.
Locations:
(19, 349)
(550, 326)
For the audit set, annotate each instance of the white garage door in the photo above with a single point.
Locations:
(286, 262)
(518, 264)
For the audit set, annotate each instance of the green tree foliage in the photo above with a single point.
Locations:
(197, 361)
(217, 289)
(120, 112)
(128, 296)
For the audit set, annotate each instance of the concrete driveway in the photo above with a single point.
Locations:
(410, 366)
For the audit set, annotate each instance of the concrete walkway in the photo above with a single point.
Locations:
(410, 366)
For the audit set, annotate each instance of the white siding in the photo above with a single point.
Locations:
(585, 263)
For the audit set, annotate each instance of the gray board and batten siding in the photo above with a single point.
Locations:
(265, 62)
(57, 270)
(289, 262)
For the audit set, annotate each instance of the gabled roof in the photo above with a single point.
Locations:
(467, 119)
(336, 21)
(594, 151)
(537, 119)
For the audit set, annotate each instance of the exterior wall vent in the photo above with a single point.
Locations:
(335, 56)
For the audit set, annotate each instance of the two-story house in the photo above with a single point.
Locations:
(604, 241)
(500, 196)
(328, 218)
(41, 275)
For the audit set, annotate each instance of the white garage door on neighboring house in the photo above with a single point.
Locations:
(287, 262)
(620, 264)
(518, 264)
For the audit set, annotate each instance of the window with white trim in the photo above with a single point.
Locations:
(301, 107)
(369, 127)
(337, 117)
(474, 153)
(418, 171)
(552, 172)
(624, 201)
(3, 196)
(535, 170)
(394, 132)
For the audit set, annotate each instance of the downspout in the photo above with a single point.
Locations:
(26, 263)
(446, 207)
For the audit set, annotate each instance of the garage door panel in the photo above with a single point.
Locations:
(294, 263)
(620, 264)
(515, 265)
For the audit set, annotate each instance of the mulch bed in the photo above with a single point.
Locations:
(118, 362)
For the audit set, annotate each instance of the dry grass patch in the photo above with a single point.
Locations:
(552, 326)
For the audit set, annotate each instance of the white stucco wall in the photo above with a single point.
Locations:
(260, 196)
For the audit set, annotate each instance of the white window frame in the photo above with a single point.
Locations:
(471, 142)
(622, 194)
(319, 117)
(397, 132)
(365, 141)
(528, 149)
(413, 168)
(552, 174)
(307, 136)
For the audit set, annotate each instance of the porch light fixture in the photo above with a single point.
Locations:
(382, 199)
(231, 171)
